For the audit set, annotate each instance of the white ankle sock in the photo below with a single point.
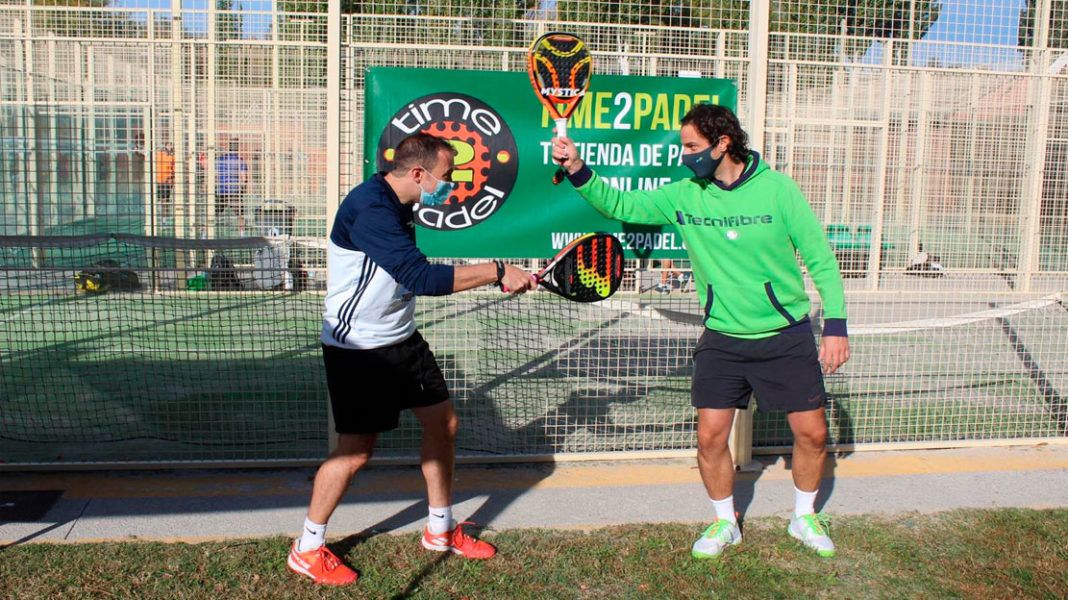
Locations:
(440, 519)
(804, 502)
(314, 536)
(725, 508)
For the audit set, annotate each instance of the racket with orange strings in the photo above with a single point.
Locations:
(560, 66)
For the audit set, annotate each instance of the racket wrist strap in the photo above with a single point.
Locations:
(500, 270)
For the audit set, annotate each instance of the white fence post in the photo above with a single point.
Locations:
(741, 439)
(1031, 198)
(878, 217)
(333, 143)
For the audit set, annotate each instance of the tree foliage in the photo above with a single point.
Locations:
(74, 3)
(229, 24)
(90, 24)
(1058, 26)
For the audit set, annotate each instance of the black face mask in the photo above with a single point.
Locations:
(701, 163)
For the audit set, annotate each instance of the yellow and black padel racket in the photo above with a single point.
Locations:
(560, 66)
(588, 269)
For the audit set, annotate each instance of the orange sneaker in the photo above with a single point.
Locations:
(321, 565)
(457, 542)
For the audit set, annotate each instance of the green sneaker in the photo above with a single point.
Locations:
(813, 531)
(715, 538)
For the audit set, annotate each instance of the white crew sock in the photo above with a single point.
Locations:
(804, 502)
(314, 536)
(725, 508)
(440, 519)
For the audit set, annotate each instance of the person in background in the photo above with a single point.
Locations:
(165, 178)
(231, 182)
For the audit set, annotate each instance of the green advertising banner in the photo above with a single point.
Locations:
(505, 205)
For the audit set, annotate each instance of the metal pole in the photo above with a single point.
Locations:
(912, 28)
(276, 86)
(350, 147)
(77, 121)
(969, 187)
(333, 144)
(1031, 198)
(183, 169)
(91, 164)
(832, 147)
(759, 32)
(786, 163)
(720, 69)
(151, 224)
(847, 158)
(1042, 21)
(194, 186)
(50, 207)
(741, 437)
(903, 139)
(875, 252)
(917, 166)
(210, 133)
(270, 133)
(33, 199)
(148, 183)
(113, 179)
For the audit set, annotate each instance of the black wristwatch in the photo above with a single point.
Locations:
(500, 272)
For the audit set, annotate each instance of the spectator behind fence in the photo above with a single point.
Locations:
(165, 178)
(231, 183)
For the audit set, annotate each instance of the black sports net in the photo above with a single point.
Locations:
(121, 347)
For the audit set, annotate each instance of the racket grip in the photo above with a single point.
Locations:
(558, 177)
(561, 131)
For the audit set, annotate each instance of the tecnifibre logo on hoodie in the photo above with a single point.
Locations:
(731, 221)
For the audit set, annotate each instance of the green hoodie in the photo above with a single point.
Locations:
(742, 241)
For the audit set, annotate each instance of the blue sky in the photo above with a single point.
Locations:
(969, 24)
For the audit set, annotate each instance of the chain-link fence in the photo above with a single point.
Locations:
(929, 136)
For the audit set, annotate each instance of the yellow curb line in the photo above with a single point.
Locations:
(567, 475)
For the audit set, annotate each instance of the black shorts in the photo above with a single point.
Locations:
(783, 370)
(370, 388)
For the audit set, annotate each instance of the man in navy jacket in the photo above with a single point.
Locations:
(377, 363)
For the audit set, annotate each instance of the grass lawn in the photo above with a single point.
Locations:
(960, 554)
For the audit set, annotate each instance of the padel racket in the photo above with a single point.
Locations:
(560, 66)
(587, 270)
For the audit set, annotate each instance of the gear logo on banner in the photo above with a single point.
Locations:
(487, 160)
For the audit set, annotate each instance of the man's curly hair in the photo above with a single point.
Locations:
(713, 121)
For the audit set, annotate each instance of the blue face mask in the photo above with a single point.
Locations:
(437, 197)
(701, 163)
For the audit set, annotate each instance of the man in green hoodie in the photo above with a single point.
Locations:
(742, 224)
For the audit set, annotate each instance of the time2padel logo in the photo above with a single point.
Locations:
(486, 163)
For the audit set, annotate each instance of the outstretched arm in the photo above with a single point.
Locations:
(645, 207)
(514, 279)
(382, 237)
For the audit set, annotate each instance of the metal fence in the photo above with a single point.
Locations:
(922, 132)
